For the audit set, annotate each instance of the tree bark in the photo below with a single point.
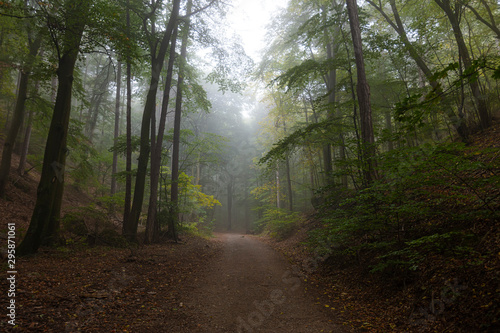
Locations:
(117, 126)
(363, 90)
(44, 225)
(27, 137)
(158, 147)
(454, 17)
(19, 111)
(229, 204)
(174, 191)
(128, 158)
(458, 122)
(157, 60)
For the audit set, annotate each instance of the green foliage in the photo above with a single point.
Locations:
(299, 137)
(110, 202)
(426, 199)
(200, 228)
(193, 205)
(120, 145)
(91, 225)
(278, 223)
(416, 251)
(300, 75)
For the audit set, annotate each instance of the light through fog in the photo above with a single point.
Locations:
(248, 19)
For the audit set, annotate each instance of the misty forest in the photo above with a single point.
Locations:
(158, 175)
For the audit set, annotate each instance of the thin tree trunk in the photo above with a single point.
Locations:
(289, 184)
(128, 161)
(458, 122)
(490, 24)
(288, 176)
(229, 204)
(174, 194)
(27, 137)
(363, 90)
(99, 94)
(157, 149)
(117, 126)
(278, 204)
(44, 225)
(157, 61)
(453, 16)
(19, 110)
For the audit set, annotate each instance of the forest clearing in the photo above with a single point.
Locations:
(250, 166)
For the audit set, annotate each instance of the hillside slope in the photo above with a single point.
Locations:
(454, 285)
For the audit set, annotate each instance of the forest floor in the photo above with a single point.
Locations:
(232, 283)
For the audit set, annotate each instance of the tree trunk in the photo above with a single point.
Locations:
(458, 122)
(278, 203)
(453, 16)
(491, 23)
(117, 126)
(44, 225)
(19, 110)
(229, 204)
(288, 176)
(363, 90)
(289, 185)
(174, 194)
(157, 150)
(157, 60)
(27, 137)
(128, 161)
(99, 93)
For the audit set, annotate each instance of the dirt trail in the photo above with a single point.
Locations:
(251, 288)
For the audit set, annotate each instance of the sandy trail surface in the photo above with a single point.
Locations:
(251, 288)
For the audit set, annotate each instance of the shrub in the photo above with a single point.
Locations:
(279, 223)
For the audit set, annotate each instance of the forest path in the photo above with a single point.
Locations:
(251, 288)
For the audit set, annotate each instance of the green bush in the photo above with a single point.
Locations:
(278, 223)
(422, 205)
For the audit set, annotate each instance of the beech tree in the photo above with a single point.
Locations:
(78, 17)
(158, 50)
(457, 120)
(174, 192)
(34, 42)
(44, 225)
(454, 10)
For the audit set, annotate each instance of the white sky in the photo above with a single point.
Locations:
(248, 18)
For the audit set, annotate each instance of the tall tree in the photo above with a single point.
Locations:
(157, 57)
(157, 147)
(34, 43)
(128, 125)
(174, 194)
(363, 90)
(458, 122)
(44, 225)
(454, 11)
(490, 21)
(117, 124)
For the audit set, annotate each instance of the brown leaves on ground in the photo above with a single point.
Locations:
(106, 290)
(446, 296)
